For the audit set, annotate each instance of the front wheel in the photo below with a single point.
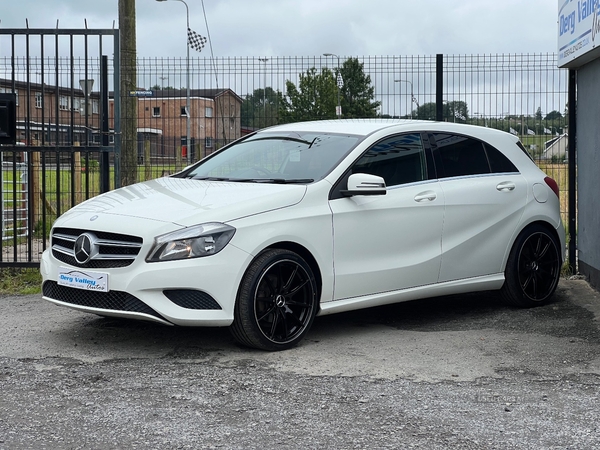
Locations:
(276, 302)
(533, 268)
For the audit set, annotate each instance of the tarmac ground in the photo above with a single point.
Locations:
(464, 371)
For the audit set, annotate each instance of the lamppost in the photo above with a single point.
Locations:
(340, 83)
(187, 73)
(412, 96)
(86, 86)
(264, 60)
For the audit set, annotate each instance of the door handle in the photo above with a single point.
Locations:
(427, 196)
(506, 186)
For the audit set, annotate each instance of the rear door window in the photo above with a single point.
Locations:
(461, 155)
(465, 156)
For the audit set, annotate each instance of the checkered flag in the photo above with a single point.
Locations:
(195, 40)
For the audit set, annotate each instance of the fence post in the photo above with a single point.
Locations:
(104, 159)
(77, 175)
(572, 158)
(36, 204)
(147, 167)
(439, 87)
(178, 159)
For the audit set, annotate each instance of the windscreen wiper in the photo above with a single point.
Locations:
(211, 178)
(273, 180)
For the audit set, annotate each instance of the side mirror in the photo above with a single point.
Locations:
(364, 184)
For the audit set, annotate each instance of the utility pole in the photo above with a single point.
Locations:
(128, 84)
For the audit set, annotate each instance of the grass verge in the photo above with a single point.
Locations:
(18, 281)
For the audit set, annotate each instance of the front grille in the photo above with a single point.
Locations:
(191, 299)
(111, 300)
(111, 249)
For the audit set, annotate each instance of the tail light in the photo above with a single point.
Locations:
(552, 185)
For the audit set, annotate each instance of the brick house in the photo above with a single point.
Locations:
(162, 120)
(48, 105)
(57, 116)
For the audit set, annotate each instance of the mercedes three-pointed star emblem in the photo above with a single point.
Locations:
(85, 248)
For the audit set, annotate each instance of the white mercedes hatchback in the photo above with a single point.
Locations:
(310, 219)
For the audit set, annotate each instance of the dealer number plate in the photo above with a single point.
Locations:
(78, 279)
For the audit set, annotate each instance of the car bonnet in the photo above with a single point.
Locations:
(187, 202)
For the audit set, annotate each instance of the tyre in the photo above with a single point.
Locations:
(276, 302)
(533, 268)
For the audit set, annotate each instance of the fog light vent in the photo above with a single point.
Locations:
(191, 299)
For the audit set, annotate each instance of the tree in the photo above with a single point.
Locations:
(454, 111)
(555, 121)
(538, 113)
(427, 111)
(261, 108)
(315, 97)
(357, 93)
(553, 115)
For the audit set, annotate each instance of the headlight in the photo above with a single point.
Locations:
(193, 242)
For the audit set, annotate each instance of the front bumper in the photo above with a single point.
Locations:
(195, 292)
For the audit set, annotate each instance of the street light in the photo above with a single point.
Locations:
(412, 96)
(264, 60)
(340, 83)
(187, 72)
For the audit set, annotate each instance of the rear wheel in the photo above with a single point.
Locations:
(276, 303)
(533, 268)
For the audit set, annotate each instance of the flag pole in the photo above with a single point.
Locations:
(188, 152)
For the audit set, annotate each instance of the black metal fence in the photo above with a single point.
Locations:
(525, 94)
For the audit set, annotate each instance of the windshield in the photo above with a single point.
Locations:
(277, 158)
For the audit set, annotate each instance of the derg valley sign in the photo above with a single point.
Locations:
(578, 32)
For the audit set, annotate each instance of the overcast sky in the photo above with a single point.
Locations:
(312, 27)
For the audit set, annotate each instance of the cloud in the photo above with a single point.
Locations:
(312, 27)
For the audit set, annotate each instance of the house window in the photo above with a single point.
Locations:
(208, 112)
(208, 142)
(77, 104)
(63, 102)
(184, 111)
(38, 99)
(95, 107)
(156, 111)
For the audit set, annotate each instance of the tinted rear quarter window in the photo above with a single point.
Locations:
(524, 150)
(498, 162)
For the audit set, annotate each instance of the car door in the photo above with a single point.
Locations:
(389, 242)
(485, 196)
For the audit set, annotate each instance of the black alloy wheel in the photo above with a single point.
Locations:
(533, 268)
(276, 303)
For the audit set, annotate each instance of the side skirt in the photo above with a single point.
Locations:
(483, 283)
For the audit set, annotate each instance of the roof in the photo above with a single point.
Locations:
(47, 88)
(182, 93)
(364, 127)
